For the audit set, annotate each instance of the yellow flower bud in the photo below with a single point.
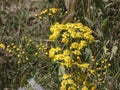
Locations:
(2, 46)
(18, 56)
(14, 46)
(109, 65)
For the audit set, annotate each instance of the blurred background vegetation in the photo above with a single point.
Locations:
(18, 26)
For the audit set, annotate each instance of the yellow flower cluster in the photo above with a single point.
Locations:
(53, 53)
(68, 83)
(73, 30)
(26, 50)
(100, 68)
(52, 10)
(78, 37)
(71, 39)
(49, 12)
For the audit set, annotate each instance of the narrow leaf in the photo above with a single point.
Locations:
(61, 71)
(88, 53)
(100, 34)
(114, 51)
(89, 21)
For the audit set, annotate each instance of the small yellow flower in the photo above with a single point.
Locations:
(20, 46)
(27, 58)
(49, 14)
(91, 71)
(18, 49)
(27, 44)
(14, 46)
(104, 73)
(102, 61)
(46, 53)
(103, 81)
(109, 65)
(75, 45)
(84, 88)
(83, 43)
(43, 46)
(30, 40)
(98, 75)
(75, 18)
(67, 60)
(57, 49)
(66, 52)
(64, 82)
(66, 76)
(66, 12)
(105, 67)
(84, 65)
(96, 63)
(19, 62)
(78, 57)
(58, 57)
(23, 52)
(8, 46)
(25, 37)
(53, 10)
(92, 59)
(9, 51)
(40, 17)
(76, 52)
(106, 60)
(44, 12)
(52, 52)
(18, 56)
(94, 88)
(55, 35)
(36, 54)
(2, 46)
(65, 40)
(39, 48)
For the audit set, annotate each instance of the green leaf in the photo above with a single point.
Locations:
(100, 34)
(105, 24)
(89, 21)
(114, 51)
(61, 71)
(108, 5)
(88, 53)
